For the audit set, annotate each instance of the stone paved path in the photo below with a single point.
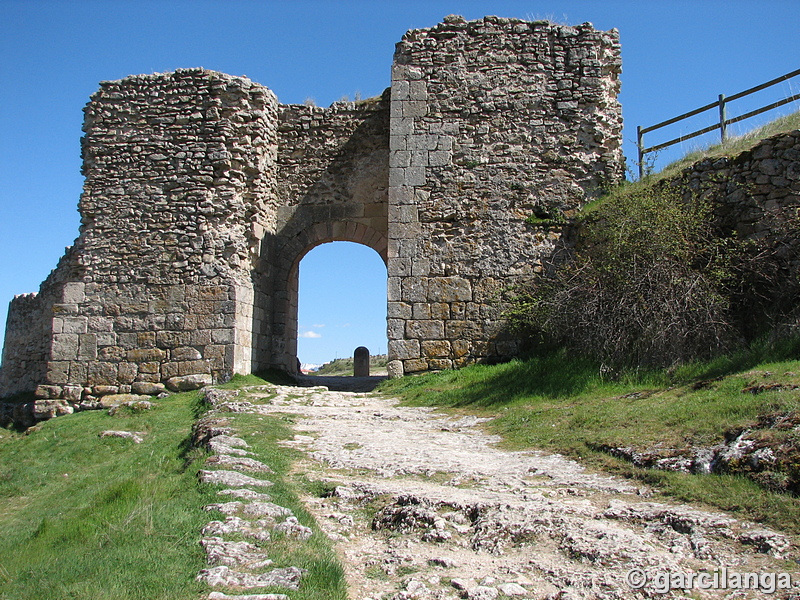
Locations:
(425, 506)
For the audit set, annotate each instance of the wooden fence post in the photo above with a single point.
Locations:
(640, 144)
(722, 118)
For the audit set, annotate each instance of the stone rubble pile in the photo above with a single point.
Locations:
(237, 562)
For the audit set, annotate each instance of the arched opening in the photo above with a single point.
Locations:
(341, 302)
(280, 277)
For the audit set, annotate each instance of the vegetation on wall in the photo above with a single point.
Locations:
(654, 281)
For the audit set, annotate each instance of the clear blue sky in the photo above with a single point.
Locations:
(677, 55)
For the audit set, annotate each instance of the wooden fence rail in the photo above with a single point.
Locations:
(724, 121)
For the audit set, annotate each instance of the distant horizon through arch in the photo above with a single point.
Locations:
(341, 302)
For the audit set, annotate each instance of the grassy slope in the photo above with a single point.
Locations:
(732, 146)
(564, 405)
(343, 367)
(84, 517)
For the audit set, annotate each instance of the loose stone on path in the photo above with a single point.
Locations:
(422, 506)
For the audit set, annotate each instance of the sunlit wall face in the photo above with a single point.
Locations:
(342, 302)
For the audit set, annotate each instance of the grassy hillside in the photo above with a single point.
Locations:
(732, 146)
(343, 367)
(568, 405)
(85, 517)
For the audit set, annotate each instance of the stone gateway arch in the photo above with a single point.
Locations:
(202, 193)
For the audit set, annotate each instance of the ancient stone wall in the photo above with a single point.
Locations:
(750, 190)
(491, 121)
(26, 344)
(203, 194)
(179, 191)
(333, 179)
(29, 332)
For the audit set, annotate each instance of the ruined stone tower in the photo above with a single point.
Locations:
(202, 194)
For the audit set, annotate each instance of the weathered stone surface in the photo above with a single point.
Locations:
(116, 399)
(186, 383)
(215, 396)
(291, 527)
(237, 526)
(231, 479)
(239, 463)
(47, 409)
(234, 554)
(134, 406)
(48, 391)
(219, 576)
(148, 388)
(136, 436)
(485, 123)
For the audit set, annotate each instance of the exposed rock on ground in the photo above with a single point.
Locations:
(423, 506)
(768, 452)
(234, 563)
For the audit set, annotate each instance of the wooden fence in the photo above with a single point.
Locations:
(724, 121)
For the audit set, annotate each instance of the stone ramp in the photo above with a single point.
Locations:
(248, 512)
(425, 506)
(341, 384)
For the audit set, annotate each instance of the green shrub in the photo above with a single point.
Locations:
(640, 288)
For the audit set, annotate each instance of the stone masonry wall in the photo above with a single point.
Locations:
(179, 191)
(752, 189)
(29, 332)
(491, 121)
(26, 344)
(333, 179)
(203, 194)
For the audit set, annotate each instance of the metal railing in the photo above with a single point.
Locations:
(724, 121)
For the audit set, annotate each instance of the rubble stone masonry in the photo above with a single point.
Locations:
(203, 193)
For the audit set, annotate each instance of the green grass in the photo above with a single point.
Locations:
(84, 517)
(566, 405)
(90, 518)
(343, 367)
(732, 146)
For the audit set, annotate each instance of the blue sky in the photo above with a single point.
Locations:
(677, 55)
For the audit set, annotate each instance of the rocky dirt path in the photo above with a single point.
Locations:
(425, 506)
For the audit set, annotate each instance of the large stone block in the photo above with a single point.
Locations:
(404, 349)
(88, 347)
(47, 409)
(148, 388)
(185, 353)
(74, 293)
(65, 347)
(142, 355)
(435, 348)
(189, 382)
(189, 367)
(414, 289)
(399, 310)
(75, 325)
(103, 373)
(425, 330)
(465, 330)
(127, 373)
(415, 365)
(449, 289)
(48, 391)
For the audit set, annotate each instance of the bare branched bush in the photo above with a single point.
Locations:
(639, 289)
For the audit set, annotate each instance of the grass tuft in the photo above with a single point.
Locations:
(569, 405)
(85, 517)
